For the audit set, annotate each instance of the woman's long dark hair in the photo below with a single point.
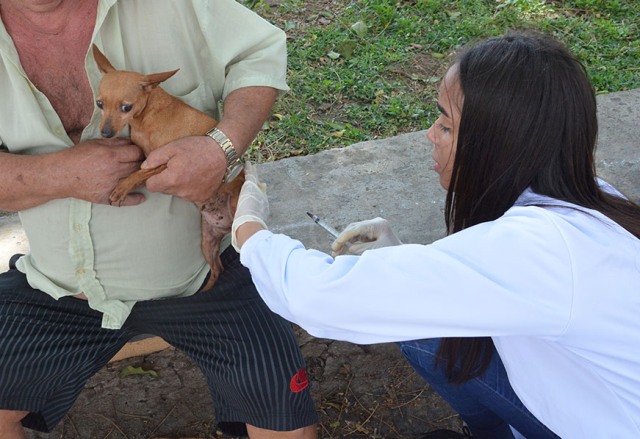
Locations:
(528, 120)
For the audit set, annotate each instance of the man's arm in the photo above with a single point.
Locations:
(245, 111)
(87, 171)
(196, 165)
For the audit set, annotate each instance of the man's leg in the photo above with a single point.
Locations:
(250, 356)
(487, 403)
(10, 426)
(49, 349)
(309, 432)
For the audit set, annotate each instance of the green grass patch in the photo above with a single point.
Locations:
(363, 70)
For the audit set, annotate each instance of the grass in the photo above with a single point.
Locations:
(363, 70)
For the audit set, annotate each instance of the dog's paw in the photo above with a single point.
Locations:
(117, 196)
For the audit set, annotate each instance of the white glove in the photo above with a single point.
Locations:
(364, 235)
(253, 204)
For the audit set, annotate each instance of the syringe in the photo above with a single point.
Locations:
(324, 225)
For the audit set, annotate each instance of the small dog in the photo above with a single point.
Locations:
(155, 118)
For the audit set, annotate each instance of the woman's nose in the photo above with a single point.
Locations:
(430, 135)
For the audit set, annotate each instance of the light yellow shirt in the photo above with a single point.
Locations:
(118, 256)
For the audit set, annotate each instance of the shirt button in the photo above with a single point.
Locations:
(80, 271)
(59, 132)
(77, 227)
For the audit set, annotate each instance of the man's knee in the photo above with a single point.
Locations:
(11, 416)
(10, 427)
(309, 432)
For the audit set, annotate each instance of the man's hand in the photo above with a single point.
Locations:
(253, 207)
(94, 167)
(195, 168)
(87, 171)
(364, 235)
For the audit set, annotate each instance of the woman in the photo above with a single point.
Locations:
(536, 289)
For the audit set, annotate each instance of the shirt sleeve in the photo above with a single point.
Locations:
(507, 277)
(253, 49)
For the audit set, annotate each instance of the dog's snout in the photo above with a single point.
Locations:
(107, 131)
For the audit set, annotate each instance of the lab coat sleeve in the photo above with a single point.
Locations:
(511, 276)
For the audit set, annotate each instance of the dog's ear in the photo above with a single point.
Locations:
(149, 82)
(103, 63)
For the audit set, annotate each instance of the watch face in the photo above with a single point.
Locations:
(233, 172)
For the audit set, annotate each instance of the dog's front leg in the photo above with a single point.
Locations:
(128, 184)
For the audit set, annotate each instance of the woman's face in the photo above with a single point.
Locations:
(444, 132)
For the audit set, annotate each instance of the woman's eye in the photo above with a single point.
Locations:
(125, 108)
(443, 128)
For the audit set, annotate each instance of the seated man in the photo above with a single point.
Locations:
(96, 273)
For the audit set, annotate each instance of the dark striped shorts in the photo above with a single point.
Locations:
(50, 348)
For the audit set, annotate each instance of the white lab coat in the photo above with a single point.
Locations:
(556, 287)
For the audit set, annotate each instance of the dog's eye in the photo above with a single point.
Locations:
(100, 104)
(125, 108)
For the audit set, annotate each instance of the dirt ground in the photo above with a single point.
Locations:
(360, 392)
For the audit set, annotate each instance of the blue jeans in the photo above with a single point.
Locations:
(487, 403)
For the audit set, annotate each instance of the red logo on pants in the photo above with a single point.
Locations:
(299, 382)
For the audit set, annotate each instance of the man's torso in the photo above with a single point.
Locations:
(52, 52)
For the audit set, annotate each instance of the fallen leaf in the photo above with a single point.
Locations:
(132, 370)
(360, 29)
(346, 48)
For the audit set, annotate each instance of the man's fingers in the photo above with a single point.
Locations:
(114, 141)
(133, 157)
(157, 158)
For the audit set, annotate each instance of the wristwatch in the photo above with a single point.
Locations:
(234, 164)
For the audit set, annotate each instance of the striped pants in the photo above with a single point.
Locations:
(249, 356)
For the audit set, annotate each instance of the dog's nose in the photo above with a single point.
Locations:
(107, 133)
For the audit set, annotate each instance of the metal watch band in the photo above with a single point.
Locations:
(233, 161)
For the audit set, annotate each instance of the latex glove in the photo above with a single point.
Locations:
(364, 235)
(253, 204)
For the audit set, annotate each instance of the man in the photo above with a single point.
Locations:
(89, 282)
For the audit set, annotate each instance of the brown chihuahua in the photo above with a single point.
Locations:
(155, 118)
